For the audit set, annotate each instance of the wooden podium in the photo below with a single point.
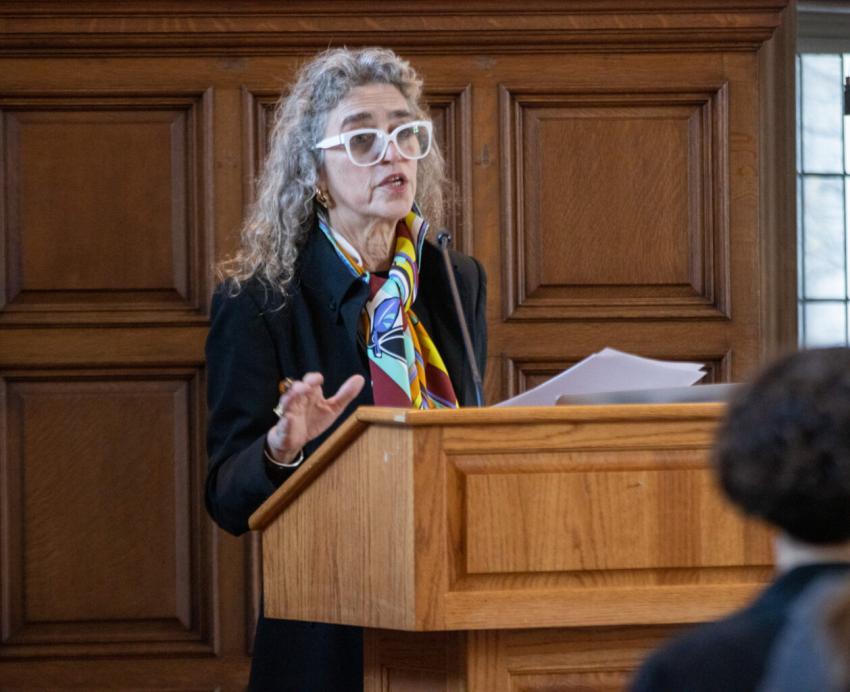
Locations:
(490, 550)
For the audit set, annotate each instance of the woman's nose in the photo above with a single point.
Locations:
(392, 153)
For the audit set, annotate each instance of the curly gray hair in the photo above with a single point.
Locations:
(284, 212)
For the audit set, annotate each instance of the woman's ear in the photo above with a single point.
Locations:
(321, 180)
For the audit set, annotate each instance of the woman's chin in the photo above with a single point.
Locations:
(395, 208)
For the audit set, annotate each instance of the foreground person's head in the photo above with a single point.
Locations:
(783, 450)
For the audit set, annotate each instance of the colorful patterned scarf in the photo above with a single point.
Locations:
(404, 363)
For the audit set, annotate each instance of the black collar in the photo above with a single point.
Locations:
(321, 270)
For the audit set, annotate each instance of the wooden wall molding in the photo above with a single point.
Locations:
(258, 106)
(778, 192)
(451, 111)
(697, 285)
(158, 593)
(184, 674)
(79, 279)
(264, 26)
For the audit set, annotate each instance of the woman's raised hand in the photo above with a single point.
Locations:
(305, 413)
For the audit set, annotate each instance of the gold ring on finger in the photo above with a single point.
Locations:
(283, 387)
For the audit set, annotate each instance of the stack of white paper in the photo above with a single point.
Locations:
(610, 371)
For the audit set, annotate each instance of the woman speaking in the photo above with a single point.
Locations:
(334, 299)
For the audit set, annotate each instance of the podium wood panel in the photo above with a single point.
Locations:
(328, 558)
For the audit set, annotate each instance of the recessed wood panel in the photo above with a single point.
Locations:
(578, 158)
(620, 204)
(104, 544)
(104, 206)
(599, 518)
(559, 660)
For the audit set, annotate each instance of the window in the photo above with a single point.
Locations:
(823, 194)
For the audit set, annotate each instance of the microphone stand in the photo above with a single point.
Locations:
(443, 240)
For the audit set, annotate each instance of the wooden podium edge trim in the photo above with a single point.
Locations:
(596, 607)
(538, 414)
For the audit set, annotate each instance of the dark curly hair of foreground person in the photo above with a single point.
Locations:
(783, 451)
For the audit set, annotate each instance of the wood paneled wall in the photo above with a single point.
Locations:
(622, 172)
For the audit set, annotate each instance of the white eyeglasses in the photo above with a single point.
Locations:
(367, 146)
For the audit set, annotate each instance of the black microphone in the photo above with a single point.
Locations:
(443, 240)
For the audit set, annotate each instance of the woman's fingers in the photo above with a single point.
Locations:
(313, 379)
(315, 395)
(347, 391)
(305, 413)
(277, 435)
(298, 397)
(307, 393)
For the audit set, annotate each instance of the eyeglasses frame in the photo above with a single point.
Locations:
(344, 139)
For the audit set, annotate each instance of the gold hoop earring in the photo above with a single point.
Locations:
(324, 198)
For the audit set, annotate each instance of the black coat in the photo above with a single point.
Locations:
(255, 340)
(730, 655)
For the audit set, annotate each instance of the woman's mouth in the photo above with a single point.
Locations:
(394, 181)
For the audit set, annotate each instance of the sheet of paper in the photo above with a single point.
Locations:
(610, 371)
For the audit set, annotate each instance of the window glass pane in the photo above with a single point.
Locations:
(826, 324)
(822, 113)
(823, 237)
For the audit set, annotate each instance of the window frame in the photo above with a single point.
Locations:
(822, 28)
